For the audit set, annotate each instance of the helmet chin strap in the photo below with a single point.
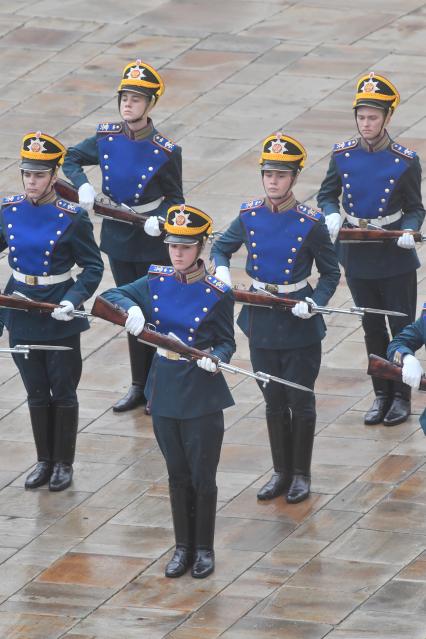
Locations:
(145, 112)
(294, 177)
(387, 114)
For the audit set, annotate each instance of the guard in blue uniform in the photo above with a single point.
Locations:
(46, 237)
(283, 238)
(142, 169)
(186, 401)
(401, 351)
(380, 181)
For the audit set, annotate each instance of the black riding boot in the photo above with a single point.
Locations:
(182, 500)
(279, 431)
(205, 517)
(303, 432)
(65, 425)
(383, 389)
(42, 431)
(400, 409)
(140, 361)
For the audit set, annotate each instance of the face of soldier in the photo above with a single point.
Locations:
(183, 256)
(133, 106)
(278, 183)
(370, 122)
(37, 183)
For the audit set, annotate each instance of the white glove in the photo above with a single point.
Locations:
(207, 364)
(152, 226)
(86, 196)
(406, 241)
(135, 320)
(223, 273)
(334, 222)
(301, 309)
(412, 371)
(64, 312)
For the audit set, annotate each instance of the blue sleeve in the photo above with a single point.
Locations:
(227, 244)
(134, 294)
(88, 257)
(83, 154)
(326, 262)
(330, 190)
(408, 341)
(224, 342)
(412, 206)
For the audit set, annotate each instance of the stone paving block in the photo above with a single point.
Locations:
(360, 496)
(93, 570)
(412, 489)
(136, 541)
(416, 571)
(398, 516)
(405, 597)
(376, 546)
(31, 626)
(251, 627)
(364, 625)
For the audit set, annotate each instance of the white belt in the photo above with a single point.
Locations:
(150, 206)
(279, 288)
(378, 221)
(41, 280)
(170, 354)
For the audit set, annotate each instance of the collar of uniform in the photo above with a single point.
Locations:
(142, 134)
(47, 199)
(381, 145)
(194, 276)
(289, 203)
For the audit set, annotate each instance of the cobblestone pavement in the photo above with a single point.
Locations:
(350, 562)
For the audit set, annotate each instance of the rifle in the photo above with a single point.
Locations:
(103, 207)
(117, 315)
(269, 300)
(19, 302)
(374, 234)
(379, 367)
(25, 349)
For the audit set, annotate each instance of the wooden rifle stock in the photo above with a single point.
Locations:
(18, 303)
(116, 315)
(382, 368)
(109, 211)
(261, 299)
(375, 235)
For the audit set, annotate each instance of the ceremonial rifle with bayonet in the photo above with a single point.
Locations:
(19, 302)
(371, 233)
(267, 299)
(103, 207)
(382, 368)
(116, 315)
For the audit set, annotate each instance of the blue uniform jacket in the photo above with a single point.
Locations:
(48, 239)
(201, 314)
(134, 171)
(408, 341)
(281, 249)
(374, 184)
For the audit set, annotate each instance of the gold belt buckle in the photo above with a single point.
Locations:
(363, 223)
(271, 288)
(172, 355)
(32, 280)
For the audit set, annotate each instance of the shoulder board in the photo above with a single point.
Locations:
(343, 146)
(252, 204)
(402, 150)
(13, 199)
(109, 127)
(68, 206)
(217, 284)
(313, 214)
(157, 269)
(163, 142)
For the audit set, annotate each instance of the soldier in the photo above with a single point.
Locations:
(186, 403)
(401, 351)
(283, 238)
(380, 180)
(46, 237)
(142, 169)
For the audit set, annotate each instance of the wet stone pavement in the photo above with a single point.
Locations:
(349, 563)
